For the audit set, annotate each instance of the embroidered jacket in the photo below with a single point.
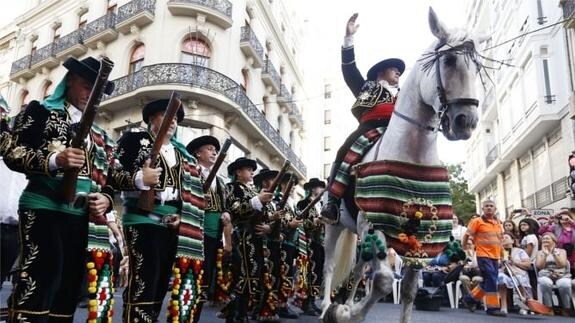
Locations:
(368, 93)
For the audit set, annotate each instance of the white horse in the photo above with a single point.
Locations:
(439, 95)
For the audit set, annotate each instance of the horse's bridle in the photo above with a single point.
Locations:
(440, 114)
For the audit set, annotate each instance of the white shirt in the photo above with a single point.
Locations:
(13, 183)
(205, 173)
(458, 232)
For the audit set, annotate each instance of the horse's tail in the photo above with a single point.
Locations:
(345, 253)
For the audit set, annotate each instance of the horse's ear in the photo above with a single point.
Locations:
(436, 26)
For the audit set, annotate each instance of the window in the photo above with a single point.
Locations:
(326, 143)
(137, 58)
(245, 79)
(23, 99)
(83, 20)
(327, 117)
(327, 91)
(326, 170)
(196, 51)
(112, 6)
(47, 89)
(265, 105)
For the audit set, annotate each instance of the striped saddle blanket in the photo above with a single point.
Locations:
(391, 192)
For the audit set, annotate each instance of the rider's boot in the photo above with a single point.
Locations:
(330, 211)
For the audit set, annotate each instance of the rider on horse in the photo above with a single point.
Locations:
(375, 102)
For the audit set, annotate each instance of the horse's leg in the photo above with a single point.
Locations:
(381, 284)
(332, 233)
(358, 272)
(408, 292)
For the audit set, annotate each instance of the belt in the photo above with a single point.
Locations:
(80, 200)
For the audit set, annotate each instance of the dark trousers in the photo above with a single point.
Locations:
(52, 262)
(152, 251)
(315, 273)
(209, 280)
(8, 249)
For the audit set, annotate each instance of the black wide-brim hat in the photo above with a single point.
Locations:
(314, 182)
(242, 162)
(87, 69)
(159, 105)
(381, 66)
(195, 144)
(263, 175)
(288, 176)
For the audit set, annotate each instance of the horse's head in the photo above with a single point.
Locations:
(447, 83)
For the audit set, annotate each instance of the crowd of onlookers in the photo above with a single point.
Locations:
(538, 252)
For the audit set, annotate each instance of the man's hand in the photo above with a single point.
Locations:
(294, 223)
(70, 158)
(277, 215)
(172, 221)
(351, 27)
(263, 229)
(97, 204)
(124, 271)
(265, 196)
(151, 176)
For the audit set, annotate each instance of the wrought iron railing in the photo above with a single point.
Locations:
(99, 25)
(134, 7)
(296, 113)
(569, 9)
(222, 6)
(248, 35)
(20, 64)
(204, 78)
(42, 54)
(63, 43)
(272, 72)
(492, 155)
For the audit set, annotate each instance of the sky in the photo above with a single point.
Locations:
(388, 28)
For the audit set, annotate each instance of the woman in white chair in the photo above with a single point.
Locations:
(519, 262)
(553, 270)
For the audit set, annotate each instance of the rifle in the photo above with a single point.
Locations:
(279, 176)
(286, 194)
(68, 184)
(217, 164)
(146, 201)
(303, 214)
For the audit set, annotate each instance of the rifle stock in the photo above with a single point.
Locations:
(217, 164)
(279, 176)
(70, 178)
(146, 200)
(286, 194)
(303, 214)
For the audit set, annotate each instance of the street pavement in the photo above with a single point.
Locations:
(382, 312)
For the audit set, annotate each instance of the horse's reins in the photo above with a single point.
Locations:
(441, 92)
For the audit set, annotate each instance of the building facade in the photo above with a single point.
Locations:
(518, 154)
(236, 65)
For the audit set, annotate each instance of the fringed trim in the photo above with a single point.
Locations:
(186, 290)
(100, 286)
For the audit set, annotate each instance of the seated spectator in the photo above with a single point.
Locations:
(519, 263)
(458, 228)
(443, 264)
(509, 226)
(470, 275)
(552, 265)
(528, 233)
(562, 225)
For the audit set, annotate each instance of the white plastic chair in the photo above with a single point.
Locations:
(454, 295)
(396, 287)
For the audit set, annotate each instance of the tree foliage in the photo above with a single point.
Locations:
(463, 201)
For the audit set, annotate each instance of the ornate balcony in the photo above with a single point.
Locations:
(295, 115)
(70, 45)
(492, 156)
(217, 11)
(44, 57)
(100, 30)
(137, 13)
(569, 12)
(284, 97)
(251, 46)
(21, 69)
(194, 76)
(270, 76)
